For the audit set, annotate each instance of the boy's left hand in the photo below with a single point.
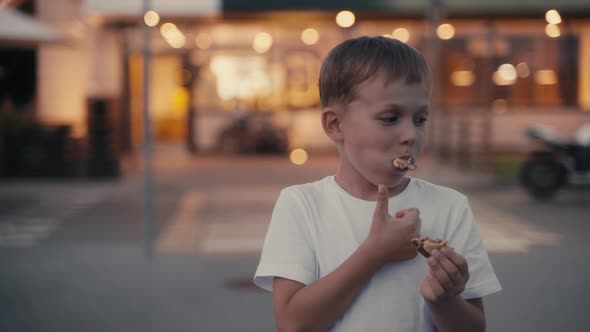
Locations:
(447, 276)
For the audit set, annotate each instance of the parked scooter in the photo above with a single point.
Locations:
(556, 162)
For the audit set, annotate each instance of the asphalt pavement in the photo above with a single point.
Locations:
(72, 252)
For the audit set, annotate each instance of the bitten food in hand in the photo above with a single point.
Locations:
(403, 164)
(425, 245)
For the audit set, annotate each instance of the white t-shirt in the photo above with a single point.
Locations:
(315, 227)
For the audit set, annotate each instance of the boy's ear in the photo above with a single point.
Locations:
(331, 123)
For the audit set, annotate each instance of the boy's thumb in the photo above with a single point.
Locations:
(412, 213)
(382, 207)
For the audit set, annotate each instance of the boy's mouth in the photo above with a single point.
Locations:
(404, 163)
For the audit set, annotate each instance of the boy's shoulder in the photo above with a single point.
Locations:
(308, 189)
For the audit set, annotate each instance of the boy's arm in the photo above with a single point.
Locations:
(458, 315)
(441, 290)
(317, 306)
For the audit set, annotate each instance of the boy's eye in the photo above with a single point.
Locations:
(421, 121)
(389, 119)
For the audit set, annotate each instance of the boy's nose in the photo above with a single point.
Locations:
(408, 134)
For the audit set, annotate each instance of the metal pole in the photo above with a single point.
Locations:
(191, 112)
(148, 194)
(489, 95)
(433, 14)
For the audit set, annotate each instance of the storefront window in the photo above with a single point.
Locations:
(522, 71)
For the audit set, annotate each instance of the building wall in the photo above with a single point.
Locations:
(87, 65)
(303, 123)
(90, 66)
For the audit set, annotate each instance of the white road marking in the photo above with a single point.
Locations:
(182, 233)
(227, 238)
(242, 233)
(27, 230)
(502, 232)
(191, 230)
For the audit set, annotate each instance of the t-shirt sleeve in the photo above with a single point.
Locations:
(465, 239)
(288, 251)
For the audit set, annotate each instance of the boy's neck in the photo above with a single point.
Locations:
(359, 187)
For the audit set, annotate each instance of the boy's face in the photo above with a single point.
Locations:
(384, 122)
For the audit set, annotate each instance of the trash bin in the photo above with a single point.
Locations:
(103, 155)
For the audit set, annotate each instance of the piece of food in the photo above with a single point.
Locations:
(403, 164)
(426, 245)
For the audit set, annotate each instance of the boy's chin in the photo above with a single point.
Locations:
(393, 180)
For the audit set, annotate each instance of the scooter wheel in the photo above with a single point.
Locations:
(542, 177)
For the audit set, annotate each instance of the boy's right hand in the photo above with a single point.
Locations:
(390, 238)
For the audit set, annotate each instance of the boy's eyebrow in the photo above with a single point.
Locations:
(393, 107)
(398, 108)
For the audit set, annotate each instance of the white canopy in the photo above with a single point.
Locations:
(17, 28)
(178, 8)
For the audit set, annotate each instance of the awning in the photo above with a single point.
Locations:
(19, 29)
(165, 8)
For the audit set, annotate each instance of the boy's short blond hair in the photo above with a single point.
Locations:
(356, 60)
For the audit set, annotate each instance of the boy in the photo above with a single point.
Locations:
(334, 256)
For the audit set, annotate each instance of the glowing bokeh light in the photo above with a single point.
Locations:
(310, 36)
(546, 77)
(345, 19)
(298, 156)
(262, 42)
(552, 30)
(401, 34)
(151, 18)
(507, 72)
(552, 17)
(445, 31)
(523, 70)
(463, 78)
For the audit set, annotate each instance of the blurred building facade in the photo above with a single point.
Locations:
(502, 65)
